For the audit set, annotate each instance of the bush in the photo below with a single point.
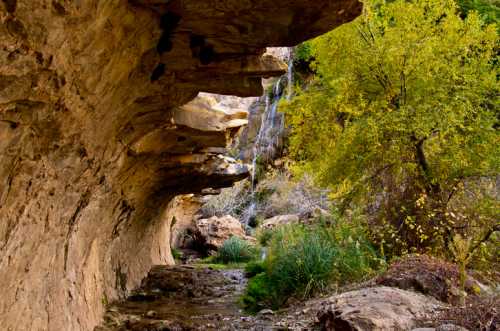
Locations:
(235, 250)
(176, 254)
(303, 260)
(231, 201)
(479, 313)
(259, 293)
(254, 268)
(264, 236)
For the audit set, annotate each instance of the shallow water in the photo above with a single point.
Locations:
(184, 298)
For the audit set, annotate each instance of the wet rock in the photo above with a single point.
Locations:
(151, 314)
(186, 298)
(376, 309)
(264, 312)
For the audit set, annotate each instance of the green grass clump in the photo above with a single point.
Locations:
(254, 268)
(264, 236)
(176, 254)
(302, 261)
(235, 250)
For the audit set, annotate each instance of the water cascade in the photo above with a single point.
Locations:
(270, 134)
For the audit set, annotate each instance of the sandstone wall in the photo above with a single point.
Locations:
(90, 150)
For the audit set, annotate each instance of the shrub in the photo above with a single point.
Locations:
(264, 236)
(291, 195)
(302, 260)
(479, 313)
(259, 293)
(235, 250)
(176, 254)
(254, 268)
(231, 201)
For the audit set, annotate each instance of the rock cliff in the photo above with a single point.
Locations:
(95, 143)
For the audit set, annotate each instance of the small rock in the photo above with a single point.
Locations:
(151, 314)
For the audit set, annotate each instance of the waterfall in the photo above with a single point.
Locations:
(272, 122)
(271, 128)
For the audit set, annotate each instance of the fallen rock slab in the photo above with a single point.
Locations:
(376, 309)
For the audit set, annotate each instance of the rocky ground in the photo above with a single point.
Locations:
(194, 297)
(185, 298)
(188, 297)
(415, 292)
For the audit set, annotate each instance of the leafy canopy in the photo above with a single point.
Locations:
(410, 89)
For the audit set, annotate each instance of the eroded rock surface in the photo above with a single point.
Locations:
(182, 215)
(213, 231)
(92, 142)
(280, 220)
(376, 309)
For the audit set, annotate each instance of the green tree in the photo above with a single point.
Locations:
(489, 10)
(402, 115)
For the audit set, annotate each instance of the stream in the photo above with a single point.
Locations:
(185, 297)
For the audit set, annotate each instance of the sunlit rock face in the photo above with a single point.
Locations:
(94, 141)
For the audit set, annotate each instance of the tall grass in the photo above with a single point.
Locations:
(303, 260)
(235, 250)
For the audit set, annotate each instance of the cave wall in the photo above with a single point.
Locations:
(90, 150)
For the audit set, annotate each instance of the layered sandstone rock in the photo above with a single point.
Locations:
(93, 144)
(182, 215)
(214, 231)
(376, 309)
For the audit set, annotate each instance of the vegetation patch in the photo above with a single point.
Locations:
(478, 313)
(235, 250)
(430, 276)
(406, 99)
(302, 260)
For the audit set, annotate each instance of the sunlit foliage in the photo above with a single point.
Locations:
(402, 120)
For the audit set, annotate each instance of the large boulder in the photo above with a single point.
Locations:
(213, 231)
(376, 309)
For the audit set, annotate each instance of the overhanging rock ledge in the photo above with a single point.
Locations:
(90, 152)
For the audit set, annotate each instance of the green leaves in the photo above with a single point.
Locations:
(406, 96)
(403, 71)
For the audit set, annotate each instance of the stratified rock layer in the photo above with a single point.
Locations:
(376, 309)
(91, 152)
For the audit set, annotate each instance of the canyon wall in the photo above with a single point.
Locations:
(95, 141)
